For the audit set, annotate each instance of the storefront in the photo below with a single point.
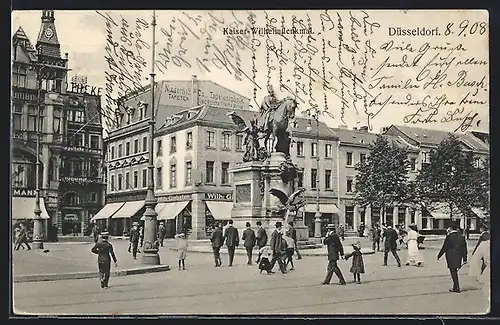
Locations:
(121, 222)
(23, 208)
(218, 208)
(101, 218)
(175, 212)
(329, 214)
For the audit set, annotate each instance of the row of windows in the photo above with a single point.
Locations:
(173, 144)
(136, 148)
(119, 183)
(78, 140)
(314, 150)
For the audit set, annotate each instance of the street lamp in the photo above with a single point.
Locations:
(37, 220)
(150, 252)
(317, 215)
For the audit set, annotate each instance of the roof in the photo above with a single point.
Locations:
(218, 115)
(354, 136)
(26, 44)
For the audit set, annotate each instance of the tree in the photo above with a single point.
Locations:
(451, 178)
(383, 179)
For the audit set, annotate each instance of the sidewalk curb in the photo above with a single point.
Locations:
(303, 252)
(87, 275)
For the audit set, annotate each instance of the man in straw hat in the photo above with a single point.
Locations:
(455, 248)
(104, 249)
(134, 238)
(335, 251)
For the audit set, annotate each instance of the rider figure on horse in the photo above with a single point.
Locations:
(269, 105)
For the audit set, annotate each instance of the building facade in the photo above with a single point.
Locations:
(68, 120)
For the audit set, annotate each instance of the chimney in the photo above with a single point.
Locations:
(363, 128)
(343, 127)
(194, 91)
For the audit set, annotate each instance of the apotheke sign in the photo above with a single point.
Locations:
(219, 197)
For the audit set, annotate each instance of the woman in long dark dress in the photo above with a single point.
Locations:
(358, 266)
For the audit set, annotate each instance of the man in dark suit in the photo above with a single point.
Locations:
(277, 248)
(134, 239)
(485, 235)
(232, 241)
(22, 237)
(293, 235)
(104, 249)
(261, 238)
(249, 241)
(390, 244)
(376, 237)
(335, 251)
(217, 240)
(455, 248)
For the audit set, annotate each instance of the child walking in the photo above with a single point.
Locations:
(290, 249)
(264, 264)
(182, 245)
(358, 266)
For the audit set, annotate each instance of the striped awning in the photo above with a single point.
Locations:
(220, 210)
(128, 210)
(107, 211)
(24, 207)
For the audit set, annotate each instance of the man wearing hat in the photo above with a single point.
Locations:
(217, 241)
(485, 235)
(455, 248)
(249, 241)
(104, 249)
(390, 244)
(261, 238)
(162, 231)
(335, 251)
(277, 248)
(232, 241)
(134, 238)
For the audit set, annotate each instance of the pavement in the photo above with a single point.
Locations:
(204, 289)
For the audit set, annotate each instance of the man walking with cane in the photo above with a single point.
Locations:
(455, 248)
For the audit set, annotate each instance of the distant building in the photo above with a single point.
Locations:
(70, 140)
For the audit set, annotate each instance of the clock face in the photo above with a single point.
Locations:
(49, 33)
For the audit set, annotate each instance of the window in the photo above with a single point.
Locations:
(144, 177)
(120, 153)
(20, 77)
(94, 168)
(401, 215)
(78, 140)
(32, 118)
(173, 144)
(79, 116)
(159, 177)
(189, 140)
(314, 149)
(300, 148)
(113, 152)
(144, 144)
(56, 122)
(239, 142)
(127, 148)
(328, 150)
(129, 117)
(225, 173)
(93, 198)
(210, 139)
(136, 145)
(188, 173)
(76, 168)
(349, 216)
(226, 141)
(349, 185)
(17, 116)
(119, 182)
(94, 141)
(173, 176)
(314, 178)
(426, 158)
(209, 172)
(477, 162)
(112, 187)
(159, 148)
(300, 180)
(136, 179)
(362, 158)
(328, 179)
(413, 164)
(127, 180)
(349, 158)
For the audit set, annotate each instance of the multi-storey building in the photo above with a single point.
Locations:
(128, 137)
(70, 130)
(354, 147)
(426, 140)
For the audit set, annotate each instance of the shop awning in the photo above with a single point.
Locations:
(158, 208)
(220, 210)
(23, 208)
(323, 208)
(107, 211)
(171, 210)
(128, 210)
(480, 212)
(442, 211)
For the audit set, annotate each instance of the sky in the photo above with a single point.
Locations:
(346, 59)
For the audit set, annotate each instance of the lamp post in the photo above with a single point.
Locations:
(37, 219)
(150, 252)
(317, 215)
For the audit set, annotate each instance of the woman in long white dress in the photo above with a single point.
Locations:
(479, 266)
(415, 258)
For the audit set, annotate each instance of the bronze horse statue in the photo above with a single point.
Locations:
(278, 126)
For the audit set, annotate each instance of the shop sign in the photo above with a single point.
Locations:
(182, 94)
(219, 196)
(25, 95)
(24, 192)
(175, 198)
(81, 88)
